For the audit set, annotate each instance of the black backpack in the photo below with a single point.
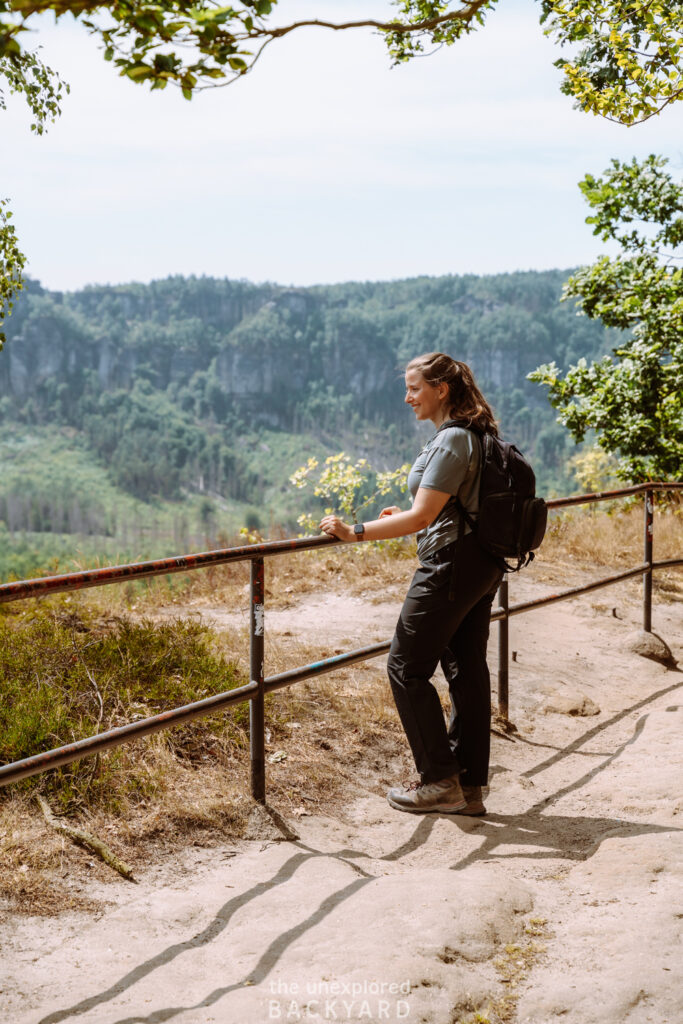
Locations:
(512, 520)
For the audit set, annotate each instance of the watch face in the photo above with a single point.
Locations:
(359, 528)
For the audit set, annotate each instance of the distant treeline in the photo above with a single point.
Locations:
(162, 382)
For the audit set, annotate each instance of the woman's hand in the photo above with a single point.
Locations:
(336, 527)
(392, 521)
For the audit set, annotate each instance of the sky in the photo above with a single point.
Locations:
(323, 165)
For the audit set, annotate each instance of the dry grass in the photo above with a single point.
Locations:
(513, 968)
(41, 873)
(321, 736)
(334, 731)
(289, 575)
(584, 540)
(592, 537)
(355, 569)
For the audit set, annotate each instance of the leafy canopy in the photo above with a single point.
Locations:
(42, 89)
(633, 400)
(629, 60)
(625, 63)
(12, 262)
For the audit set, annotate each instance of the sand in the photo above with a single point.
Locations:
(562, 905)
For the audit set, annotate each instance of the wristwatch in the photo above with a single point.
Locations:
(359, 530)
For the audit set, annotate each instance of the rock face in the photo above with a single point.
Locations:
(172, 327)
(311, 347)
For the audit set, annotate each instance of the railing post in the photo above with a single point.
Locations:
(503, 706)
(257, 745)
(649, 523)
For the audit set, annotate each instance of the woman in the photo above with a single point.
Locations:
(445, 616)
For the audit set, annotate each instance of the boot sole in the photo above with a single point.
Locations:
(438, 808)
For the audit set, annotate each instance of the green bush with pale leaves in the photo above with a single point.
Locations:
(345, 488)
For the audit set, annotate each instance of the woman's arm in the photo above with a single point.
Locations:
(424, 511)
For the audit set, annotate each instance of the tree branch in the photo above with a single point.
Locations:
(466, 13)
(85, 839)
(653, 113)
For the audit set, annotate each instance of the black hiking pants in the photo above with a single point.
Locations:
(433, 628)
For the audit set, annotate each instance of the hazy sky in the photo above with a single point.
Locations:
(324, 165)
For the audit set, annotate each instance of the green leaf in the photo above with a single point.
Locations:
(633, 401)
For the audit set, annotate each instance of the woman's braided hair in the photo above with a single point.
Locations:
(465, 399)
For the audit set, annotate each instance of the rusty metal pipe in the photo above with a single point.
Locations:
(258, 686)
(159, 567)
(503, 654)
(318, 668)
(17, 591)
(566, 595)
(123, 734)
(38, 763)
(586, 499)
(257, 716)
(49, 759)
(649, 516)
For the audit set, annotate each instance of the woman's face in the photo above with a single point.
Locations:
(425, 399)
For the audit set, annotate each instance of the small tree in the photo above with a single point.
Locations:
(348, 486)
(634, 398)
(594, 470)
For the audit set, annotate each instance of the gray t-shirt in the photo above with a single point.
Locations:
(449, 462)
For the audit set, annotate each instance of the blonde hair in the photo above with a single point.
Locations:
(465, 400)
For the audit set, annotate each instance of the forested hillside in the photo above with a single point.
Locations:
(194, 398)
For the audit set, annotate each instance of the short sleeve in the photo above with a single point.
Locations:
(446, 470)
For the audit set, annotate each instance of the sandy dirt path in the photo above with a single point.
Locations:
(562, 905)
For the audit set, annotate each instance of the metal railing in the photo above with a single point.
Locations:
(255, 690)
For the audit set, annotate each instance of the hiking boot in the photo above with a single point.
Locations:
(475, 802)
(445, 796)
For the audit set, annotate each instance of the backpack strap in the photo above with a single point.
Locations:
(465, 424)
(521, 562)
(463, 515)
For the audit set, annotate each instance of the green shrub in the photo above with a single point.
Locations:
(65, 675)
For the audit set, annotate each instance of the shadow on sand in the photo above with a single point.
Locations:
(573, 838)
